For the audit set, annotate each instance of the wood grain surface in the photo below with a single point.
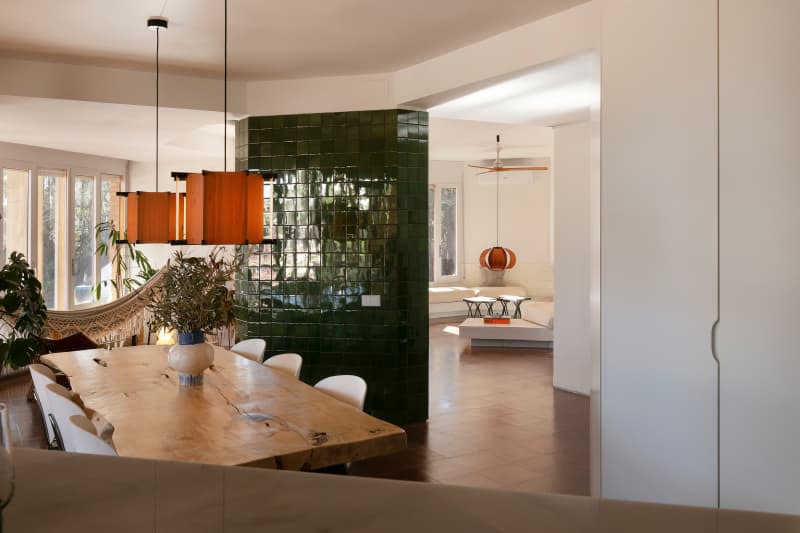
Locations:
(244, 413)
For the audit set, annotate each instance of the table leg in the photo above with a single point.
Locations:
(505, 307)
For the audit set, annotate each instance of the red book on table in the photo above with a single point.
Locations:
(496, 320)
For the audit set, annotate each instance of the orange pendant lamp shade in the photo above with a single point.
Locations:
(149, 217)
(498, 258)
(223, 207)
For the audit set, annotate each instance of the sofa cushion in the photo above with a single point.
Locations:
(438, 295)
(494, 292)
(76, 341)
(538, 312)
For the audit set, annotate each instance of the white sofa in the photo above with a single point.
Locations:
(539, 313)
(449, 301)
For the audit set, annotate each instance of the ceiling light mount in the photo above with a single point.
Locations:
(157, 23)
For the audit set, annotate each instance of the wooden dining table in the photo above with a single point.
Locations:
(243, 414)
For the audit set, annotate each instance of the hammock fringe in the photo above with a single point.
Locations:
(109, 323)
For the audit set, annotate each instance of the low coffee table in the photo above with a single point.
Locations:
(516, 334)
(506, 299)
(474, 305)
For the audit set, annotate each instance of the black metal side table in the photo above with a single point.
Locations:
(474, 305)
(516, 300)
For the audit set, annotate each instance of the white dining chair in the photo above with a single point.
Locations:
(346, 388)
(286, 362)
(63, 407)
(85, 438)
(251, 348)
(43, 376)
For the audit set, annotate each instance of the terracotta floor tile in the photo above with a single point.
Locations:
(499, 423)
(495, 422)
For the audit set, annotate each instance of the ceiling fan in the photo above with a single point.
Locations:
(499, 167)
(499, 258)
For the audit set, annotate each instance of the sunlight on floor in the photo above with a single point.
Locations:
(452, 330)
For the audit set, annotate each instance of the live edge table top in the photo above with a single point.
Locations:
(244, 413)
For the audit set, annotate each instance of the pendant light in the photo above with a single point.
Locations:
(498, 257)
(223, 207)
(150, 215)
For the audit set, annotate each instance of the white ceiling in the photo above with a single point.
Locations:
(552, 94)
(110, 130)
(464, 140)
(128, 132)
(268, 39)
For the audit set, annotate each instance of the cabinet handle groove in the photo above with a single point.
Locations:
(714, 340)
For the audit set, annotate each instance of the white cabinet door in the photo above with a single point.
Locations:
(659, 251)
(759, 331)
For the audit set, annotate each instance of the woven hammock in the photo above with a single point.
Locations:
(108, 323)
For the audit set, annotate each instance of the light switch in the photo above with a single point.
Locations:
(370, 300)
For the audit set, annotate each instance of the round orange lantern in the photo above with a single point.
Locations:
(498, 258)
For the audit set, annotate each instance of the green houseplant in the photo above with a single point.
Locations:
(22, 312)
(193, 300)
(120, 255)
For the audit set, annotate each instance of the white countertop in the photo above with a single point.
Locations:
(61, 492)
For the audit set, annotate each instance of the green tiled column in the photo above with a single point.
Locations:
(351, 220)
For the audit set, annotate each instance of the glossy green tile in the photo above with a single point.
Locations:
(351, 208)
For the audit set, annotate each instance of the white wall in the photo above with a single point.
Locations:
(564, 34)
(572, 257)
(659, 200)
(320, 95)
(595, 285)
(64, 81)
(46, 157)
(525, 224)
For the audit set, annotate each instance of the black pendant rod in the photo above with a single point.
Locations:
(158, 43)
(225, 105)
(157, 23)
(497, 186)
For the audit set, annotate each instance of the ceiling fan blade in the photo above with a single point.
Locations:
(512, 169)
(479, 166)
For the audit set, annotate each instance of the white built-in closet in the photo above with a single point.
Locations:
(700, 221)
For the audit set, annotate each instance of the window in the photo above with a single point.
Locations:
(443, 233)
(109, 212)
(83, 239)
(49, 214)
(51, 242)
(14, 189)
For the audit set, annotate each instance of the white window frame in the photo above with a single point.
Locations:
(438, 278)
(33, 222)
(19, 165)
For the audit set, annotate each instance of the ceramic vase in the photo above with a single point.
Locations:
(190, 357)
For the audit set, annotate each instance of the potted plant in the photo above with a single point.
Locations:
(120, 253)
(22, 312)
(193, 300)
